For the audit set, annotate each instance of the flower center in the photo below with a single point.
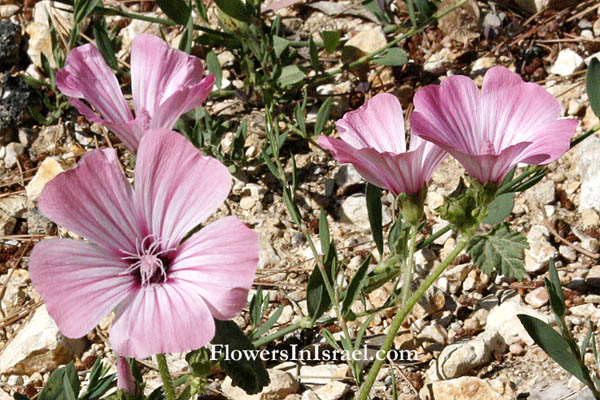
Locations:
(150, 262)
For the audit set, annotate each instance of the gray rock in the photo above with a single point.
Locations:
(540, 250)
(354, 210)
(503, 320)
(469, 387)
(13, 151)
(589, 159)
(10, 44)
(334, 390)
(39, 347)
(282, 384)
(7, 223)
(38, 224)
(559, 391)
(14, 205)
(566, 63)
(347, 176)
(14, 102)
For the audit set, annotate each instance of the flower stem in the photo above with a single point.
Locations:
(405, 310)
(408, 269)
(163, 369)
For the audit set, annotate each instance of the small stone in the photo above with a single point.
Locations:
(10, 41)
(516, 349)
(442, 239)
(354, 210)
(470, 387)
(226, 59)
(503, 319)
(246, 203)
(39, 224)
(589, 217)
(14, 205)
(334, 390)
(543, 193)
(586, 312)
(282, 384)
(39, 347)
(540, 250)
(435, 333)
(7, 223)
(13, 151)
(593, 276)
(589, 159)
(566, 63)
(322, 374)
(347, 176)
(482, 64)
(476, 320)
(469, 284)
(367, 41)
(596, 28)
(8, 10)
(456, 276)
(40, 42)
(537, 297)
(47, 170)
(567, 252)
(437, 62)
(575, 107)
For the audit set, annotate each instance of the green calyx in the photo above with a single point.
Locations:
(411, 206)
(467, 206)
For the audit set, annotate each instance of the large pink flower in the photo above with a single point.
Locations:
(166, 292)
(165, 84)
(374, 141)
(509, 122)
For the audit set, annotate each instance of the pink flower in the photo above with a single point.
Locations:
(165, 84)
(373, 140)
(166, 293)
(125, 379)
(509, 122)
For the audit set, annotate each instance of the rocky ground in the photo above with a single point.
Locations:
(465, 330)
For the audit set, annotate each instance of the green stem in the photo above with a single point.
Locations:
(408, 269)
(404, 311)
(167, 380)
(276, 335)
(584, 136)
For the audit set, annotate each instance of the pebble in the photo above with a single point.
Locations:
(435, 333)
(354, 210)
(13, 151)
(437, 62)
(516, 349)
(567, 252)
(10, 41)
(566, 63)
(587, 312)
(246, 203)
(39, 347)
(347, 176)
(47, 170)
(537, 297)
(14, 205)
(593, 276)
(8, 10)
(365, 42)
(334, 390)
(589, 217)
(469, 387)
(40, 42)
(282, 384)
(503, 320)
(7, 223)
(482, 64)
(323, 373)
(540, 250)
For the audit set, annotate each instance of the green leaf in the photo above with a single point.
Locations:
(323, 116)
(501, 250)
(314, 54)
(393, 57)
(555, 293)
(214, 67)
(268, 323)
(290, 75)
(256, 307)
(247, 373)
(553, 344)
(500, 208)
(586, 340)
(279, 45)
(355, 286)
(187, 38)
(19, 396)
(291, 206)
(330, 339)
(177, 10)
(331, 40)
(84, 8)
(56, 388)
(592, 82)
(235, 9)
(375, 215)
(299, 114)
(317, 298)
(104, 44)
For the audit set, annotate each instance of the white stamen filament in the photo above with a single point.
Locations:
(147, 259)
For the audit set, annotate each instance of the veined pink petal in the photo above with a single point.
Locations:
(399, 173)
(219, 262)
(549, 142)
(125, 379)
(95, 201)
(377, 124)
(166, 82)
(161, 318)
(176, 187)
(86, 75)
(80, 283)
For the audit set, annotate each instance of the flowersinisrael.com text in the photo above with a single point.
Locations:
(315, 354)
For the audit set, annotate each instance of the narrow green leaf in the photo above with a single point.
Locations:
(355, 285)
(247, 373)
(268, 323)
(361, 332)
(553, 344)
(586, 340)
(500, 208)
(256, 307)
(501, 250)
(235, 9)
(330, 339)
(68, 389)
(317, 298)
(393, 57)
(84, 8)
(270, 165)
(373, 194)
(314, 54)
(187, 38)
(555, 293)
(177, 10)
(214, 67)
(592, 82)
(290, 75)
(323, 116)
(279, 45)
(104, 44)
(291, 206)
(55, 388)
(331, 40)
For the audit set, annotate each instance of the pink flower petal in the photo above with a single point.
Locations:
(80, 283)
(125, 379)
(161, 318)
(166, 82)
(377, 124)
(86, 75)
(94, 200)
(399, 173)
(219, 261)
(549, 142)
(176, 187)
(447, 115)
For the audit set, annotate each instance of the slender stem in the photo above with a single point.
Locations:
(408, 269)
(163, 369)
(584, 136)
(404, 311)
(276, 335)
